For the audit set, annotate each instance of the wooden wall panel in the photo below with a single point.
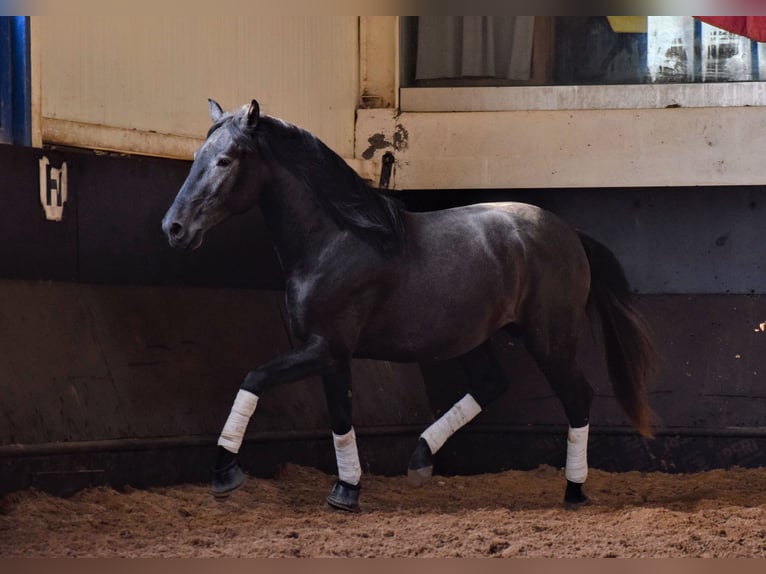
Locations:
(154, 73)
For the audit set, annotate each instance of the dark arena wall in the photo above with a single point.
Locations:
(120, 357)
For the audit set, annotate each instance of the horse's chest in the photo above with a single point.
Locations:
(309, 302)
(298, 298)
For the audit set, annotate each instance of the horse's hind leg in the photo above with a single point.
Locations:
(345, 492)
(486, 383)
(576, 394)
(555, 355)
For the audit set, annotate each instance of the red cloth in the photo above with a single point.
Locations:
(753, 27)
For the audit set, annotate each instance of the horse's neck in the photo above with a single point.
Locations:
(299, 226)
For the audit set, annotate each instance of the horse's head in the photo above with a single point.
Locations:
(220, 182)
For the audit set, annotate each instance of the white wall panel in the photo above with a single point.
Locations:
(154, 73)
(568, 148)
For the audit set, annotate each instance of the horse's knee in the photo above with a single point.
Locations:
(254, 382)
(314, 358)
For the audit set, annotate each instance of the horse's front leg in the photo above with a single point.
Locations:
(345, 492)
(313, 358)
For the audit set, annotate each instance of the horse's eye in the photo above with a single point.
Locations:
(223, 162)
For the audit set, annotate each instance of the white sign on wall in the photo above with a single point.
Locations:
(53, 189)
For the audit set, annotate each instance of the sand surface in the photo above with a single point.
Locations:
(720, 513)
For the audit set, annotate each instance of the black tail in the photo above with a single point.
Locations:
(630, 354)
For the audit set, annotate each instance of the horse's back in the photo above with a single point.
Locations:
(511, 233)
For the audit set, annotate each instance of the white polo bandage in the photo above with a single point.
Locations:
(577, 454)
(450, 422)
(234, 430)
(347, 456)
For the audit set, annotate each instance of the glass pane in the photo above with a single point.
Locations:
(574, 50)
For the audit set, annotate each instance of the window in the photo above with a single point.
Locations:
(652, 58)
(15, 102)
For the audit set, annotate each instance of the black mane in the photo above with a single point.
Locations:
(368, 212)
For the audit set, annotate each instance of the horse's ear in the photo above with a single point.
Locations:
(253, 114)
(215, 110)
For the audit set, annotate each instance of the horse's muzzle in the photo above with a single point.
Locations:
(180, 237)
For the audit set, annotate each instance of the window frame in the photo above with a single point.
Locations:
(583, 97)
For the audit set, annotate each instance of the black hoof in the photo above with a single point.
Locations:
(227, 479)
(420, 468)
(574, 495)
(345, 496)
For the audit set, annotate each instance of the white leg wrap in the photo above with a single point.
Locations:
(577, 454)
(347, 456)
(234, 430)
(450, 422)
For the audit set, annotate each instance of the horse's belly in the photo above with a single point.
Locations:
(443, 309)
(434, 333)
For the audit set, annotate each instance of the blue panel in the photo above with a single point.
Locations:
(15, 85)
(21, 99)
(5, 81)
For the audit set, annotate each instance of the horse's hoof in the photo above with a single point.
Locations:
(575, 504)
(574, 497)
(227, 479)
(419, 476)
(345, 496)
(420, 468)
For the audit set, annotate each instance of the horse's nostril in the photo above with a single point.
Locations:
(176, 229)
